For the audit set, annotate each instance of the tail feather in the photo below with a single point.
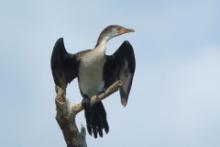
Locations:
(96, 119)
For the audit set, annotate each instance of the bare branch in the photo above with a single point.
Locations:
(96, 98)
(67, 111)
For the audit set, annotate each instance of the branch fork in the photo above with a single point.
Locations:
(67, 111)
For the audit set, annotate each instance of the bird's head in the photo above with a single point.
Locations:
(115, 30)
(112, 31)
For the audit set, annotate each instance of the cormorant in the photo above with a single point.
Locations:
(96, 71)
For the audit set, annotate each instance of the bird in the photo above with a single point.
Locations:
(95, 72)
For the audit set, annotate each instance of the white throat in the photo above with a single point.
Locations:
(102, 44)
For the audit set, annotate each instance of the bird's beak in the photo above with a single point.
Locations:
(130, 30)
(125, 30)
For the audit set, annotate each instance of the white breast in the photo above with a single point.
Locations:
(91, 73)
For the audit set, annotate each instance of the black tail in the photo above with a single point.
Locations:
(96, 119)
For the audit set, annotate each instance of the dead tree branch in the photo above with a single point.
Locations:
(67, 111)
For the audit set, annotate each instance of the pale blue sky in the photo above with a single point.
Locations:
(175, 98)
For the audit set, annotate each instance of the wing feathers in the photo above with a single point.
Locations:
(121, 66)
(64, 65)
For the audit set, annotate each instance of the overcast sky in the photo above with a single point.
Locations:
(175, 97)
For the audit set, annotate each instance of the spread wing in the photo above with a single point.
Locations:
(64, 66)
(121, 66)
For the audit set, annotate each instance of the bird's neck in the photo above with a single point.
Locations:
(102, 44)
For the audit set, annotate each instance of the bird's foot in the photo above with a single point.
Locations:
(86, 102)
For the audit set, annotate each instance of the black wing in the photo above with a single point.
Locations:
(121, 66)
(64, 66)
